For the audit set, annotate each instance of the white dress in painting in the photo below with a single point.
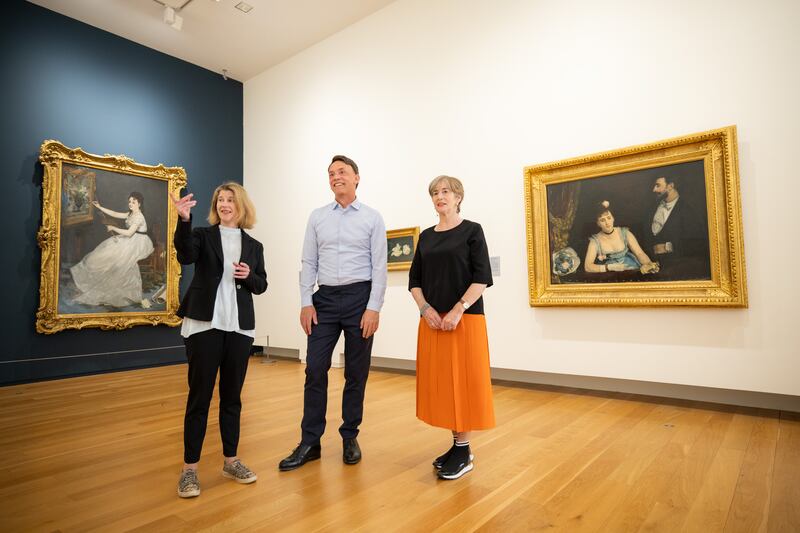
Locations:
(109, 274)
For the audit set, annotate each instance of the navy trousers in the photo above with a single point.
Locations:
(338, 309)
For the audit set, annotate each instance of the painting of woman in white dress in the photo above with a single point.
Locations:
(108, 260)
(109, 275)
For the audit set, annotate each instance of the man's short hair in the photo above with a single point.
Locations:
(676, 184)
(346, 160)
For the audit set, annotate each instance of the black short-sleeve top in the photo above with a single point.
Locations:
(447, 262)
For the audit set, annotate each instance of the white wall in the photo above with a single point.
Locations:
(480, 89)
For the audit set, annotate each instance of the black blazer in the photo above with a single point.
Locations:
(203, 247)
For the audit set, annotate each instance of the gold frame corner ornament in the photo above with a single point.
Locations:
(52, 155)
(727, 286)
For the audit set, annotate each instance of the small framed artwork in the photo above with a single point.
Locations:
(108, 259)
(401, 244)
(651, 225)
(77, 194)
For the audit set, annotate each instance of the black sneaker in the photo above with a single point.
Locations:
(442, 459)
(458, 464)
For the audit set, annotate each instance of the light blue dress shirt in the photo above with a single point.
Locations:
(344, 246)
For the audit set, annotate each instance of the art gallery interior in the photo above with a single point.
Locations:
(92, 419)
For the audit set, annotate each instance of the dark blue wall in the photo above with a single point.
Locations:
(68, 81)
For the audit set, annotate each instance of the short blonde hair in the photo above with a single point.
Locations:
(455, 185)
(244, 207)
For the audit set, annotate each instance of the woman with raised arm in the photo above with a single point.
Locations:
(218, 322)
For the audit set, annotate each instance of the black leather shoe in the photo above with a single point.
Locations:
(300, 456)
(351, 453)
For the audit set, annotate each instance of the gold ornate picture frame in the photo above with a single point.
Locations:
(658, 224)
(401, 244)
(108, 259)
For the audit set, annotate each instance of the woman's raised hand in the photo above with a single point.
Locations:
(184, 205)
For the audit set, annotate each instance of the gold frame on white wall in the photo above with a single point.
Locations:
(725, 287)
(401, 238)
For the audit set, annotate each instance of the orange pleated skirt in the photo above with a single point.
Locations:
(454, 386)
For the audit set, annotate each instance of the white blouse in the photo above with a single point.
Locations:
(226, 312)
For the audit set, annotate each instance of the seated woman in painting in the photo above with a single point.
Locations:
(109, 274)
(615, 249)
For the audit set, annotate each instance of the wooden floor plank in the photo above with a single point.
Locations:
(749, 509)
(784, 511)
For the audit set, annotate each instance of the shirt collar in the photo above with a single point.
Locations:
(669, 205)
(356, 204)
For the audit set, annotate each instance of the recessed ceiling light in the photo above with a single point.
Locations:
(244, 7)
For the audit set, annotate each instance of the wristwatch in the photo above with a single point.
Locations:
(464, 303)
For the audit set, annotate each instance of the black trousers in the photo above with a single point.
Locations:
(338, 309)
(207, 352)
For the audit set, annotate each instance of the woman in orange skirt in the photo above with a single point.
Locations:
(448, 275)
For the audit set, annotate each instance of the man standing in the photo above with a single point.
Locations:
(675, 235)
(344, 252)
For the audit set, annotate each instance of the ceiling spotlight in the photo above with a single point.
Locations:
(225, 74)
(244, 7)
(171, 18)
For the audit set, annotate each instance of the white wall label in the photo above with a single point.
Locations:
(495, 263)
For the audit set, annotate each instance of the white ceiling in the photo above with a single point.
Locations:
(218, 36)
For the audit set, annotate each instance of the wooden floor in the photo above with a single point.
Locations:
(104, 452)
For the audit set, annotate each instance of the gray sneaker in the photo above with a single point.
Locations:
(188, 484)
(238, 472)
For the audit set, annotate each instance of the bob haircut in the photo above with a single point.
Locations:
(455, 185)
(244, 207)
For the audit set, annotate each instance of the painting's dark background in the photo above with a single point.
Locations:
(632, 199)
(406, 240)
(67, 81)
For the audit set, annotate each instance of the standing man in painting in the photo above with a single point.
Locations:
(344, 252)
(675, 235)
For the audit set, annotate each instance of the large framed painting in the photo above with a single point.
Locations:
(401, 245)
(108, 260)
(652, 225)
